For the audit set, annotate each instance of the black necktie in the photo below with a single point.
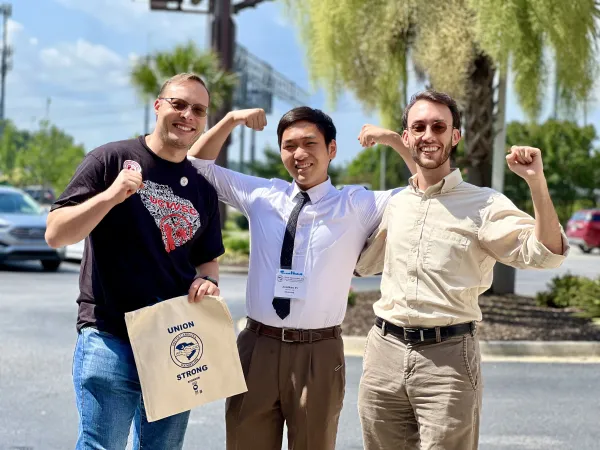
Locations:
(282, 305)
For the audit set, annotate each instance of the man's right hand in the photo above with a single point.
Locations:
(252, 118)
(126, 184)
(370, 135)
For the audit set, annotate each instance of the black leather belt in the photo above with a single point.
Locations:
(293, 334)
(416, 335)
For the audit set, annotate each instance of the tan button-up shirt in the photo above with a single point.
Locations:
(437, 249)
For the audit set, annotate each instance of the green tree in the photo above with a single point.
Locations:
(365, 168)
(11, 143)
(456, 46)
(272, 167)
(149, 73)
(50, 158)
(571, 164)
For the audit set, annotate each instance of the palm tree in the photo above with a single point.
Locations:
(150, 72)
(456, 46)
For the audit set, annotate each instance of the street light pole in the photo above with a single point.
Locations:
(6, 11)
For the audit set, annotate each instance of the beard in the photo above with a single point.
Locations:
(427, 163)
(177, 143)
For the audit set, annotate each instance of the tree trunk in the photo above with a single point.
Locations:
(479, 123)
(479, 145)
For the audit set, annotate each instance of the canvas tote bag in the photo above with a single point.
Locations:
(185, 353)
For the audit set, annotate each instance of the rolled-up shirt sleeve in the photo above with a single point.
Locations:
(508, 235)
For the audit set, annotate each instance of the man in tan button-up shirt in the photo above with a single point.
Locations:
(436, 247)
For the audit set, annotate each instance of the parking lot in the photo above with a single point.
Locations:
(526, 405)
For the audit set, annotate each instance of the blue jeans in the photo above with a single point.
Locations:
(109, 398)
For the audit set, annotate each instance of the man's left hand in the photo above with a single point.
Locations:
(526, 162)
(201, 287)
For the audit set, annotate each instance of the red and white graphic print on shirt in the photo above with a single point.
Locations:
(176, 217)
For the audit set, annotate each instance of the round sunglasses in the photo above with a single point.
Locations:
(418, 129)
(180, 105)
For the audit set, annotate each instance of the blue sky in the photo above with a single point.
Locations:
(79, 53)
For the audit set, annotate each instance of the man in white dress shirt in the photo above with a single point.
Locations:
(305, 239)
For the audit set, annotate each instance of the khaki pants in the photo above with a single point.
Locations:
(420, 396)
(301, 384)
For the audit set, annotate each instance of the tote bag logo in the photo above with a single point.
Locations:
(186, 349)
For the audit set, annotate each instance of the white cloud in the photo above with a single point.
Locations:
(33, 41)
(82, 66)
(13, 29)
(126, 16)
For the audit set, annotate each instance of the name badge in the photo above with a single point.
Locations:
(290, 284)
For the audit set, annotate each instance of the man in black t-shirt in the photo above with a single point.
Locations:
(152, 232)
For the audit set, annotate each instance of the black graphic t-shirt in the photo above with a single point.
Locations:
(145, 249)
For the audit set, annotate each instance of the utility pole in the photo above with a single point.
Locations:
(223, 44)
(504, 276)
(6, 11)
(382, 166)
(147, 108)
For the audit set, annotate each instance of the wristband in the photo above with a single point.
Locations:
(208, 278)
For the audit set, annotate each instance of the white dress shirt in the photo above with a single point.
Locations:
(331, 232)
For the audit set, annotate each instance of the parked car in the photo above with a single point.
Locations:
(43, 195)
(74, 252)
(22, 230)
(583, 229)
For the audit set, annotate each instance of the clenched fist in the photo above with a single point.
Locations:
(252, 118)
(124, 186)
(526, 162)
(371, 134)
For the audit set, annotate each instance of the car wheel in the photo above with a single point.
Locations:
(51, 266)
(585, 249)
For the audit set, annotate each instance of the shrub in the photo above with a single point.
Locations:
(588, 298)
(571, 290)
(237, 245)
(351, 297)
(561, 291)
(236, 222)
(242, 222)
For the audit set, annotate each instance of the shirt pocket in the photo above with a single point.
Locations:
(444, 251)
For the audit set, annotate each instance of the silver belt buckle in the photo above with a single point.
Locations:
(283, 339)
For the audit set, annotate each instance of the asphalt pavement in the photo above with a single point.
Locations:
(526, 405)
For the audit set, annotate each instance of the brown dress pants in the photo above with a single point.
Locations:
(420, 396)
(301, 384)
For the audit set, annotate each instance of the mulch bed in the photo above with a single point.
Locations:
(505, 318)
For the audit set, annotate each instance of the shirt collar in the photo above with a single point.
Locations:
(447, 183)
(315, 193)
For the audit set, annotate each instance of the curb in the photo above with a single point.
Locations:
(532, 351)
(234, 269)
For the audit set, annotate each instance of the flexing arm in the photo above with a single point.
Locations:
(71, 224)
(209, 145)
(527, 163)
(371, 135)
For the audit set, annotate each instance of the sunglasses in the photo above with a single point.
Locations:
(418, 129)
(181, 106)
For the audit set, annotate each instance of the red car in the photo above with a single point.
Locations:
(583, 229)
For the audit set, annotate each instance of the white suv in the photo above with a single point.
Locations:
(22, 230)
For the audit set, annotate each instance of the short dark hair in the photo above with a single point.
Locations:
(435, 97)
(303, 113)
